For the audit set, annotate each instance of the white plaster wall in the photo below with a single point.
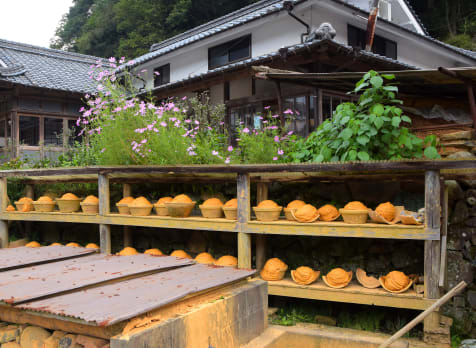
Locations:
(240, 88)
(278, 30)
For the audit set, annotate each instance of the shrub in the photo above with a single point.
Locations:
(370, 129)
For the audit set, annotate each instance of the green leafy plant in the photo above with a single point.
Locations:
(369, 129)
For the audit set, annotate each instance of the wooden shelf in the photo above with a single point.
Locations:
(189, 223)
(55, 216)
(353, 293)
(341, 229)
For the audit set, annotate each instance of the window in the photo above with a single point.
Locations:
(229, 52)
(298, 120)
(29, 130)
(53, 131)
(162, 75)
(356, 38)
(73, 132)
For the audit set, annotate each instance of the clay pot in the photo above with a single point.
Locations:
(181, 254)
(140, 207)
(127, 251)
(267, 210)
(304, 275)
(33, 245)
(92, 246)
(180, 209)
(153, 251)
(337, 278)
(386, 210)
(365, 280)
(24, 204)
(328, 213)
(395, 282)
(227, 260)
(69, 203)
(73, 244)
(160, 208)
(354, 216)
(307, 213)
(274, 269)
(205, 258)
(123, 205)
(90, 205)
(44, 204)
(292, 206)
(212, 208)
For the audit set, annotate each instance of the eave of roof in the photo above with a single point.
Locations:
(295, 49)
(253, 12)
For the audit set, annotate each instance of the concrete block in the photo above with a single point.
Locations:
(229, 320)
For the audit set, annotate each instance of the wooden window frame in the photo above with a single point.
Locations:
(248, 36)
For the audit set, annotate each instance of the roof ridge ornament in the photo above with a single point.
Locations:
(13, 70)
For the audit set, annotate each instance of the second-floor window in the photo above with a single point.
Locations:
(356, 37)
(229, 52)
(162, 75)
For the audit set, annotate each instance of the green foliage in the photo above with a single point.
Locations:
(263, 145)
(370, 129)
(462, 40)
(107, 28)
(291, 316)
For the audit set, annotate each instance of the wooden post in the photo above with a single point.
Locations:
(30, 193)
(3, 207)
(444, 236)
(432, 247)
(244, 239)
(104, 209)
(262, 194)
(127, 235)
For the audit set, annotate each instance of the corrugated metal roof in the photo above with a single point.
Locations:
(113, 303)
(35, 66)
(27, 284)
(255, 11)
(24, 256)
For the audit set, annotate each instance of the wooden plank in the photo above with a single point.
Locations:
(341, 229)
(444, 237)
(432, 247)
(52, 217)
(353, 293)
(3, 207)
(261, 195)
(104, 209)
(190, 223)
(127, 233)
(369, 166)
(244, 239)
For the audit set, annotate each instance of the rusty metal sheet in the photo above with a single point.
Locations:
(113, 303)
(24, 256)
(26, 284)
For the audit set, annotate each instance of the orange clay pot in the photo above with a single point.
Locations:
(123, 205)
(304, 275)
(227, 260)
(181, 254)
(205, 258)
(73, 244)
(153, 251)
(230, 209)
(33, 245)
(92, 246)
(395, 282)
(127, 251)
(274, 269)
(160, 208)
(90, 205)
(365, 280)
(307, 213)
(212, 208)
(328, 213)
(140, 207)
(386, 210)
(337, 278)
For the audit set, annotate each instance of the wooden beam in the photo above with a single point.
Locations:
(104, 209)
(127, 233)
(444, 235)
(432, 247)
(260, 239)
(3, 207)
(244, 214)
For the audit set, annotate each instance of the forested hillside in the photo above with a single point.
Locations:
(129, 27)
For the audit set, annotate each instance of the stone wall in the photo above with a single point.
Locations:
(461, 250)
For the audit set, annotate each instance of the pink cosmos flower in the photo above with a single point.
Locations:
(288, 111)
(227, 160)
(267, 107)
(230, 148)
(275, 158)
(280, 152)
(276, 138)
(215, 153)
(246, 130)
(163, 124)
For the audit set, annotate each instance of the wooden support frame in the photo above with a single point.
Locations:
(432, 247)
(127, 233)
(3, 206)
(260, 239)
(444, 236)
(104, 209)
(244, 214)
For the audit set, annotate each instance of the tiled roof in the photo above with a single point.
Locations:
(295, 49)
(249, 13)
(45, 68)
